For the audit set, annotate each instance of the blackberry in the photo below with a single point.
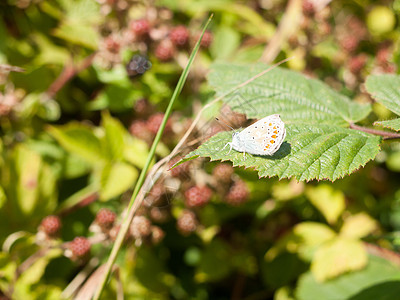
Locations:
(140, 27)
(154, 122)
(139, 129)
(206, 40)
(308, 8)
(157, 234)
(356, 63)
(187, 222)
(105, 218)
(80, 247)
(349, 43)
(223, 172)
(238, 193)
(198, 196)
(178, 171)
(143, 108)
(138, 65)
(50, 225)
(165, 51)
(179, 36)
(140, 227)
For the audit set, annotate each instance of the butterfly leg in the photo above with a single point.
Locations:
(230, 144)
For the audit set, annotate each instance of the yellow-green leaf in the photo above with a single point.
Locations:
(328, 201)
(358, 226)
(338, 256)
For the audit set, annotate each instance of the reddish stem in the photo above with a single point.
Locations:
(386, 135)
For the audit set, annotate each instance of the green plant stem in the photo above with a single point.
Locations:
(126, 223)
(385, 134)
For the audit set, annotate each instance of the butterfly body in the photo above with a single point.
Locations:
(261, 138)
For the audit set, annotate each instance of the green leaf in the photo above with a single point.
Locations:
(114, 136)
(280, 91)
(338, 256)
(80, 140)
(392, 124)
(379, 275)
(308, 152)
(385, 89)
(78, 33)
(225, 42)
(116, 179)
(330, 202)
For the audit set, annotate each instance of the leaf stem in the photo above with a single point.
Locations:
(131, 207)
(385, 134)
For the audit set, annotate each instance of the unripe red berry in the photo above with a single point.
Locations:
(112, 44)
(198, 196)
(207, 39)
(356, 63)
(308, 8)
(157, 234)
(223, 172)
(159, 215)
(349, 43)
(140, 227)
(154, 123)
(50, 225)
(179, 36)
(139, 129)
(165, 51)
(79, 247)
(238, 193)
(140, 27)
(187, 222)
(105, 218)
(180, 170)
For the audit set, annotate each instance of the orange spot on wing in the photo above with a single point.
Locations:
(275, 131)
(274, 126)
(266, 147)
(273, 136)
(272, 141)
(270, 124)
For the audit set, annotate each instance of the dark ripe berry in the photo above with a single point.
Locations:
(50, 225)
(357, 63)
(140, 27)
(80, 246)
(154, 122)
(165, 51)
(138, 65)
(207, 39)
(178, 171)
(157, 234)
(308, 8)
(143, 108)
(349, 43)
(139, 129)
(187, 222)
(179, 36)
(105, 218)
(140, 227)
(238, 193)
(112, 44)
(223, 172)
(198, 196)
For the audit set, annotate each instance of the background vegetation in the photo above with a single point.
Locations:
(84, 86)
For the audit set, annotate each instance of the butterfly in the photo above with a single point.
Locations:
(264, 137)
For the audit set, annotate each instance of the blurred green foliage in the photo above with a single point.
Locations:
(75, 133)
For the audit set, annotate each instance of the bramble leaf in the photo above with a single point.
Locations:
(308, 152)
(284, 92)
(385, 89)
(392, 124)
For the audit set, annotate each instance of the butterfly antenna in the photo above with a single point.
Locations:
(226, 124)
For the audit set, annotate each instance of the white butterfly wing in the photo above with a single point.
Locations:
(264, 137)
